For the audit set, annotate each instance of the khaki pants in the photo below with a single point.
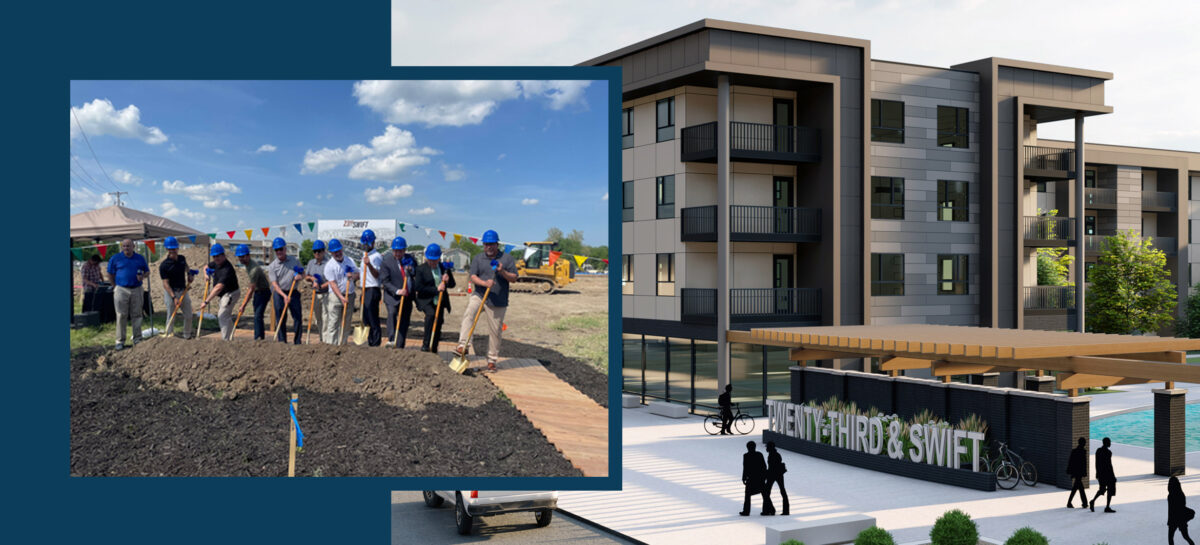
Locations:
(129, 307)
(225, 313)
(183, 315)
(318, 315)
(333, 315)
(491, 317)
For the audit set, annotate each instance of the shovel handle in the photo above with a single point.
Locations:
(243, 308)
(399, 309)
(311, 306)
(279, 324)
(200, 322)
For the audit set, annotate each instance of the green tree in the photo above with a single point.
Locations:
(1054, 267)
(554, 234)
(306, 252)
(1131, 290)
(1189, 324)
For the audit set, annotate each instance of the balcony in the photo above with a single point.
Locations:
(1049, 231)
(1100, 198)
(1045, 163)
(1093, 245)
(752, 305)
(1158, 201)
(1049, 298)
(1168, 245)
(752, 224)
(752, 143)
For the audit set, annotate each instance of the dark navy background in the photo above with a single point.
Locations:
(46, 45)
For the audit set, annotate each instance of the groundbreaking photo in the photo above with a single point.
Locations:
(339, 278)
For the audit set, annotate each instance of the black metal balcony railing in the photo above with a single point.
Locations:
(1168, 245)
(1047, 162)
(1093, 245)
(1100, 196)
(1159, 200)
(1049, 297)
(752, 224)
(752, 142)
(1054, 230)
(699, 305)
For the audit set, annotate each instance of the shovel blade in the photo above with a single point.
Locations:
(360, 335)
(458, 364)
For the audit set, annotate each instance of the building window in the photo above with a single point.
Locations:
(1189, 231)
(1089, 225)
(665, 196)
(627, 274)
(627, 128)
(952, 275)
(952, 200)
(1041, 186)
(887, 274)
(952, 127)
(1087, 271)
(887, 198)
(887, 121)
(1089, 178)
(626, 201)
(666, 119)
(666, 274)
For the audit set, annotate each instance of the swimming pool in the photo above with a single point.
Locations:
(1138, 428)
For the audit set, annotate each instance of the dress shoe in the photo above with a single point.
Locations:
(1109, 510)
(1093, 506)
(1072, 506)
(743, 513)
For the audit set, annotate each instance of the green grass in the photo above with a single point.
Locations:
(1095, 391)
(105, 335)
(580, 322)
(589, 339)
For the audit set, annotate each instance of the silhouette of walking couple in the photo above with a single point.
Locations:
(1105, 477)
(760, 476)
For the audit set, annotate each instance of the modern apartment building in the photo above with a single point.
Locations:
(786, 178)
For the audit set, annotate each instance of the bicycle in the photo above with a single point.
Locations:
(1011, 468)
(742, 422)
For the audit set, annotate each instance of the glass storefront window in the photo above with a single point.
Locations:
(706, 377)
(631, 363)
(779, 377)
(746, 375)
(656, 367)
(680, 380)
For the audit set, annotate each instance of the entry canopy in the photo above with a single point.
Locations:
(118, 222)
(1083, 359)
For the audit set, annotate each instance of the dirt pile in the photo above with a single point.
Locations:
(225, 370)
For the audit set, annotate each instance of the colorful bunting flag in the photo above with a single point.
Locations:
(605, 261)
(212, 236)
(150, 244)
(230, 233)
(428, 232)
(457, 237)
(402, 228)
(529, 252)
(103, 251)
(579, 259)
(299, 231)
(251, 232)
(312, 226)
(78, 253)
(508, 248)
(474, 240)
(443, 234)
(554, 257)
(266, 231)
(192, 238)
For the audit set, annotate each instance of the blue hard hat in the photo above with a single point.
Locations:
(241, 250)
(399, 243)
(433, 251)
(368, 237)
(335, 245)
(407, 261)
(216, 250)
(490, 236)
(171, 244)
(318, 245)
(278, 243)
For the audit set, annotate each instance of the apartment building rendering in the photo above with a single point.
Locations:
(775, 177)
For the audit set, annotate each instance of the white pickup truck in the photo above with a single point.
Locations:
(469, 504)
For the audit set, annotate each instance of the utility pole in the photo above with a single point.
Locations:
(118, 194)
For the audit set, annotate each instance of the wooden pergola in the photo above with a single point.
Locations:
(1082, 360)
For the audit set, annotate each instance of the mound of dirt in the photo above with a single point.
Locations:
(225, 370)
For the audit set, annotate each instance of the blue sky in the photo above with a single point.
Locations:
(517, 157)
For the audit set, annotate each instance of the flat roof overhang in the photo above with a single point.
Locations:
(705, 74)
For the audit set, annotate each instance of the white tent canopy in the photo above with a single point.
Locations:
(118, 222)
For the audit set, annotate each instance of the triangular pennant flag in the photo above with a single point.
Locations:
(192, 238)
(250, 232)
(103, 251)
(443, 234)
(312, 226)
(508, 248)
(77, 253)
(428, 232)
(230, 233)
(150, 244)
(402, 228)
(605, 261)
(474, 240)
(529, 252)
(554, 257)
(212, 236)
(579, 259)
(266, 231)
(298, 229)
(415, 226)
(457, 237)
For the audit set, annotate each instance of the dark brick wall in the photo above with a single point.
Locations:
(1044, 384)
(797, 385)
(819, 385)
(870, 391)
(1035, 434)
(914, 395)
(1072, 423)
(1168, 432)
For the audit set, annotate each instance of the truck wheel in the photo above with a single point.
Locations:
(543, 517)
(461, 518)
(431, 498)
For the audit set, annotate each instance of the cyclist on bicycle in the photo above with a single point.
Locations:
(725, 401)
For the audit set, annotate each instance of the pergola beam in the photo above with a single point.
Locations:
(1068, 381)
(896, 363)
(950, 368)
(806, 354)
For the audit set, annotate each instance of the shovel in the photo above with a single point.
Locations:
(361, 332)
(286, 300)
(342, 324)
(171, 320)
(311, 306)
(200, 322)
(459, 363)
(399, 311)
(242, 308)
(433, 337)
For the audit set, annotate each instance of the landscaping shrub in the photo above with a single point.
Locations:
(1027, 536)
(792, 542)
(954, 527)
(874, 536)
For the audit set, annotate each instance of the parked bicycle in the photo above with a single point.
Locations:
(1010, 468)
(742, 422)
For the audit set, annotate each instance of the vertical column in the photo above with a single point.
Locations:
(1168, 431)
(1080, 266)
(724, 260)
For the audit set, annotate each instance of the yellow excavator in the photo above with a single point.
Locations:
(537, 275)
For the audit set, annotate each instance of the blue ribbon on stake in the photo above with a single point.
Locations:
(299, 434)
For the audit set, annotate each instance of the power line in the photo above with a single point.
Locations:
(85, 172)
(86, 182)
(89, 145)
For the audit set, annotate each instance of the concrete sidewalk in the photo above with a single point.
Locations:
(681, 485)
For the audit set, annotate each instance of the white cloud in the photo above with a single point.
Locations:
(125, 177)
(529, 202)
(218, 151)
(299, 204)
(328, 196)
(501, 156)
(382, 195)
(98, 117)
(266, 148)
(453, 173)
(221, 203)
(214, 195)
(388, 156)
(86, 199)
(458, 103)
(284, 213)
(421, 211)
(171, 211)
(605, 197)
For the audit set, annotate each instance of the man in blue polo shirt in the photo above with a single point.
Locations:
(125, 270)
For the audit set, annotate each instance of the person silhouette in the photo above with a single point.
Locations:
(1077, 469)
(775, 471)
(1105, 476)
(725, 401)
(754, 473)
(1178, 513)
